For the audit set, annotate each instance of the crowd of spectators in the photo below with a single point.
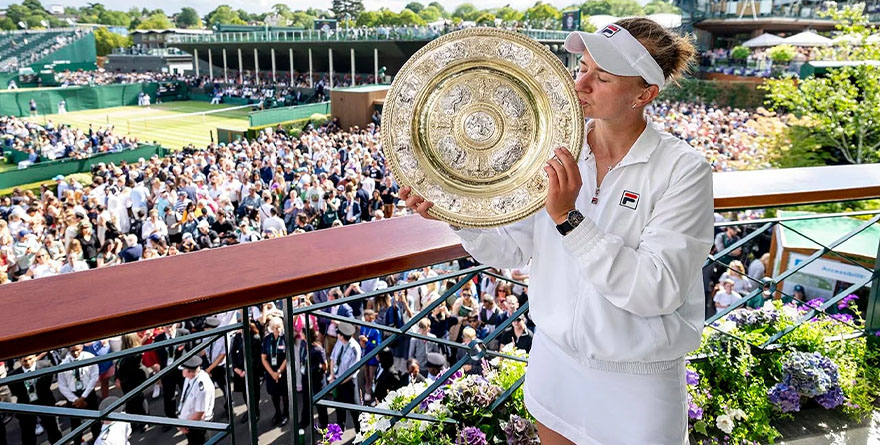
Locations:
(726, 136)
(57, 141)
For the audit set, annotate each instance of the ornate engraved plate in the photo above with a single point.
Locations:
(471, 120)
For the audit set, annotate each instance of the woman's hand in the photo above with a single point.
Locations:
(564, 184)
(416, 203)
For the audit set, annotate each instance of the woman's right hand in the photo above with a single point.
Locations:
(416, 203)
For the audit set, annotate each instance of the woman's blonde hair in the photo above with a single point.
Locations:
(674, 53)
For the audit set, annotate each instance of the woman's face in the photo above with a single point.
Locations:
(604, 95)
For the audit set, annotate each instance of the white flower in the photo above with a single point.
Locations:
(383, 424)
(724, 423)
(738, 414)
(358, 438)
(727, 326)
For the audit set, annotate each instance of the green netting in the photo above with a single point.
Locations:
(276, 115)
(16, 103)
(47, 170)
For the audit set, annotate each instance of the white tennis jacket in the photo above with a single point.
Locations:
(623, 291)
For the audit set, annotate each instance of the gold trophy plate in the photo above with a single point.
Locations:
(471, 119)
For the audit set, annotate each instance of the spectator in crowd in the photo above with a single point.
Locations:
(274, 359)
(726, 295)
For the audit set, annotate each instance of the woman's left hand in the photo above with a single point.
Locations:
(564, 184)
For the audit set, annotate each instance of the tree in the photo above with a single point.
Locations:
(740, 53)
(188, 18)
(586, 24)
(661, 6)
(407, 17)
(430, 14)
(114, 18)
(7, 24)
(439, 7)
(369, 19)
(224, 15)
(596, 7)
(509, 15)
(282, 10)
(840, 111)
(487, 18)
(300, 19)
(542, 16)
(415, 7)
(106, 41)
(350, 8)
(467, 12)
(156, 21)
(626, 8)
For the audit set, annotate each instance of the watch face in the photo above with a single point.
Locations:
(575, 218)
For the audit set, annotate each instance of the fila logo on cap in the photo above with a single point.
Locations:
(629, 199)
(610, 30)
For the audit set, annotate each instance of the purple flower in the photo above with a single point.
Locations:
(520, 431)
(692, 377)
(843, 304)
(471, 436)
(785, 397)
(694, 410)
(846, 318)
(831, 399)
(815, 303)
(334, 433)
(437, 395)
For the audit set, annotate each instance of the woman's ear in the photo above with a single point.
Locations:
(648, 94)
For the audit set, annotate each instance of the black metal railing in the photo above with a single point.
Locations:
(291, 309)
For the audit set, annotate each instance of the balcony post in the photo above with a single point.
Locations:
(290, 55)
(250, 377)
(872, 316)
(210, 65)
(292, 372)
(196, 61)
(376, 65)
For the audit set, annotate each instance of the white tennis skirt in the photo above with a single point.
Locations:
(590, 406)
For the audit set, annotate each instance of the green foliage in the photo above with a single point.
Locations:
(620, 8)
(781, 53)
(586, 25)
(156, 21)
(486, 18)
(350, 8)
(408, 17)
(740, 52)
(842, 109)
(7, 24)
(300, 19)
(106, 41)
(188, 18)
(509, 15)
(114, 18)
(430, 14)
(733, 94)
(543, 16)
(466, 12)
(415, 7)
(660, 6)
(224, 14)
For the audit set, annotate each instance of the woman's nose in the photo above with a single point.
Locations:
(583, 83)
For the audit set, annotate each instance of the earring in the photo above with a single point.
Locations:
(634, 105)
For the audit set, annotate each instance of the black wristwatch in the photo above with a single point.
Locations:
(571, 221)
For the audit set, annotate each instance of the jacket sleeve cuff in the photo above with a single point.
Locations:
(583, 239)
(468, 235)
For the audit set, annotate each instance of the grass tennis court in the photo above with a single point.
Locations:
(167, 124)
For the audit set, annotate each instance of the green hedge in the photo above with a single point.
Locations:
(47, 170)
(739, 94)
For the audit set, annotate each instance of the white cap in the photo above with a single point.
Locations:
(615, 50)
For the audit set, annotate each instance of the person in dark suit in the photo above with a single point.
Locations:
(387, 378)
(173, 380)
(414, 375)
(34, 392)
(238, 366)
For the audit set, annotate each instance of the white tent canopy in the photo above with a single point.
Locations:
(763, 40)
(807, 38)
